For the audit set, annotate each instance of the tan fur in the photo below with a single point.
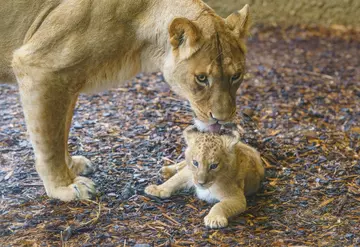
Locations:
(239, 172)
(58, 49)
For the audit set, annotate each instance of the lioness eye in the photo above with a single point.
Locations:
(235, 77)
(202, 79)
(195, 163)
(213, 166)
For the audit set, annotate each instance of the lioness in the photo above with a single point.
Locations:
(220, 167)
(56, 49)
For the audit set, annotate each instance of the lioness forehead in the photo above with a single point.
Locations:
(230, 58)
(220, 56)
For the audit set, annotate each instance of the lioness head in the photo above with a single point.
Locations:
(210, 156)
(206, 64)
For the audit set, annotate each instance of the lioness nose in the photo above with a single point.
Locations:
(213, 117)
(220, 116)
(216, 117)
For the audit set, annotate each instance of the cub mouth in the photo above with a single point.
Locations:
(204, 186)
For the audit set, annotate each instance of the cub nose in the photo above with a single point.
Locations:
(201, 183)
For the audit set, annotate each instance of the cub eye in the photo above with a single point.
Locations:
(235, 77)
(202, 79)
(195, 163)
(213, 166)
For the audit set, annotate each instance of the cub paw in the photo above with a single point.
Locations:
(81, 188)
(215, 221)
(167, 172)
(157, 191)
(81, 165)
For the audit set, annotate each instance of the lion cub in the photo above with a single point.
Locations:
(220, 167)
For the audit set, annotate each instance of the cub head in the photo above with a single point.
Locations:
(210, 156)
(206, 63)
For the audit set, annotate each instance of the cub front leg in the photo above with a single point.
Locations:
(223, 210)
(179, 181)
(169, 171)
(46, 99)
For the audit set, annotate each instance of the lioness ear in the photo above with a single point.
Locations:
(231, 140)
(184, 36)
(239, 22)
(190, 133)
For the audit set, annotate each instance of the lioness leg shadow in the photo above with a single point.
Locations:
(47, 98)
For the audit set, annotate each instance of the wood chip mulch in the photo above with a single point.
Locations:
(299, 106)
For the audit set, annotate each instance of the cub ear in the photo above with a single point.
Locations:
(184, 36)
(231, 140)
(190, 134)
(239, 22)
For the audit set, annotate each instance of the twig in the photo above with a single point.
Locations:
(61, 239)
(171, 219)
(97, 215)
(341, 204)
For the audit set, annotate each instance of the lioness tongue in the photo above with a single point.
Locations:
(215, 128)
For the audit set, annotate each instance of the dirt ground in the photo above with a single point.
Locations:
(299, 106)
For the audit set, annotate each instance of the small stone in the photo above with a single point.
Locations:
(349, 235)
(77, 125)
(24, 144)
(127, 191)
(67, 233)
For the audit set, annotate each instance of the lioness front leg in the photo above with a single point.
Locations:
(46, 98)
(78, 164)
(226, 208)
(180, 180)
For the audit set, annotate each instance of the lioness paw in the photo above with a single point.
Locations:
(215, 221)
(167, 172)
(81, 165)
(157, 191)
(81, 188)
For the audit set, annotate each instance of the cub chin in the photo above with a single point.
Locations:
(220, 167)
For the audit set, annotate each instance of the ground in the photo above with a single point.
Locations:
(299, 106)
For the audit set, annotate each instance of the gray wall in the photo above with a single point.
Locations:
(324, 12)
